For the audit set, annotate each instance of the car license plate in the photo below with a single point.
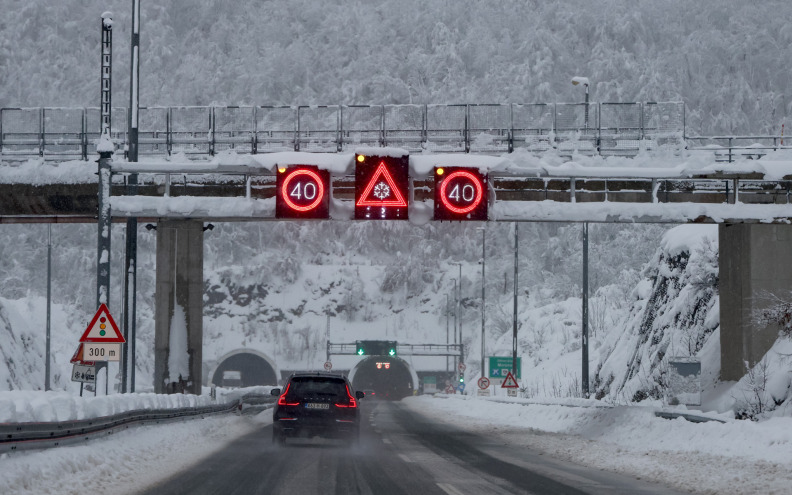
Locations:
(317, 405)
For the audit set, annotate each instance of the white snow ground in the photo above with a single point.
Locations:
(735, 457)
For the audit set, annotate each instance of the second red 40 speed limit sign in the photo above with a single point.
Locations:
(460, 193)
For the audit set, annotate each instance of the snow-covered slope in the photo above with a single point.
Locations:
(675, 313)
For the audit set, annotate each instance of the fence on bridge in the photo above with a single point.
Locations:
(606, 128)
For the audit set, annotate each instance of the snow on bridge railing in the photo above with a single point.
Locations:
(621, 129)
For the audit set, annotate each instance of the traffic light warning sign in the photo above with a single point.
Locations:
(102, 329)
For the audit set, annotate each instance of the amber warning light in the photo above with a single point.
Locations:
(303, 191)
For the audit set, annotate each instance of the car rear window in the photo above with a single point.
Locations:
(317, 386)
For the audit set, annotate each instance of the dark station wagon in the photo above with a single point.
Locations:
(316, 404)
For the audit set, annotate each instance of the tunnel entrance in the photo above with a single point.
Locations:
(244, 369)
(389, 377)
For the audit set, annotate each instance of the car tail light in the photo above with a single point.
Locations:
(352, 400)
(282, 398)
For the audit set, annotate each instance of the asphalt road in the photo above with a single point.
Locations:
(399, 453)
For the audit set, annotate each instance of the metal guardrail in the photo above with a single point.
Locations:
(621, 129)
(731, 148)
(693, 418)
(29, 436)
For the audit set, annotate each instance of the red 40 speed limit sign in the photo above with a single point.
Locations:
(460, 193)
(303, 191)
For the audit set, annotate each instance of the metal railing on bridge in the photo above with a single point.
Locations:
(621, 129)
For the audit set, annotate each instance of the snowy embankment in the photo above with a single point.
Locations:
(21, 406)
(127, 462)
(713, 458)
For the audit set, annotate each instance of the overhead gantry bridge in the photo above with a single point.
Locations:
(223, 164)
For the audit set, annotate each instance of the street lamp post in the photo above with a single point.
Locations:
(448, 317)
(483, 298)
(456, 306)
(585, 82)
(47, 385)
(458, 319)
(585, 331)
(514, 319)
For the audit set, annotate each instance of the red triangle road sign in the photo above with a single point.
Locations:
(382, 186)
(78, 357)
(509, 382)
(102, 328)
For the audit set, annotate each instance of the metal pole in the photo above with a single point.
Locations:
(514, 320)
(49, 304)
(134, 84)
(459, 301)
(105, 158)
(130, 274)
(456, 319)
(106, 106)
(584, 333)
(587, 107)
(483, 298)
(456, 299)
(448, 318)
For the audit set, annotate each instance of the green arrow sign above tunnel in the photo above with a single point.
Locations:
(376, 348)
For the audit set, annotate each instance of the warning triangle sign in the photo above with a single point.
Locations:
(382, 190)
(509, 382)
(102, 328)
(78, 357)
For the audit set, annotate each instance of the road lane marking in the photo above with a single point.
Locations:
(405, 458)
(449, 489)
(386, 440)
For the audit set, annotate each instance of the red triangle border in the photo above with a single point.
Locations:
(382, 169)
(118, 339)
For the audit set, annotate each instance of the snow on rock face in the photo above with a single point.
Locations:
(675, 318)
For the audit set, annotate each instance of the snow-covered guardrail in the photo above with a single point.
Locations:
(39, 435)
(589, 403)
(693, 418)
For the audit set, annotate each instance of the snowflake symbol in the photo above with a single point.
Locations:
(381, 191)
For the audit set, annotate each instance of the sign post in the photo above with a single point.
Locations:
(83, 371)
(511, 384)
(483, 384)
(101, 341)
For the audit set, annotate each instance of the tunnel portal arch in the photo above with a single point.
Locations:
(255, 368)
(389, 377)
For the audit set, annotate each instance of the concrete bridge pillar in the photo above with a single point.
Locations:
(178, 315)
(755, 264)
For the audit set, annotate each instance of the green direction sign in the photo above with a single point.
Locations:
(500, 366)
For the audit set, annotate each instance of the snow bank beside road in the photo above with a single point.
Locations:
(731, 457)
(29, 406)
